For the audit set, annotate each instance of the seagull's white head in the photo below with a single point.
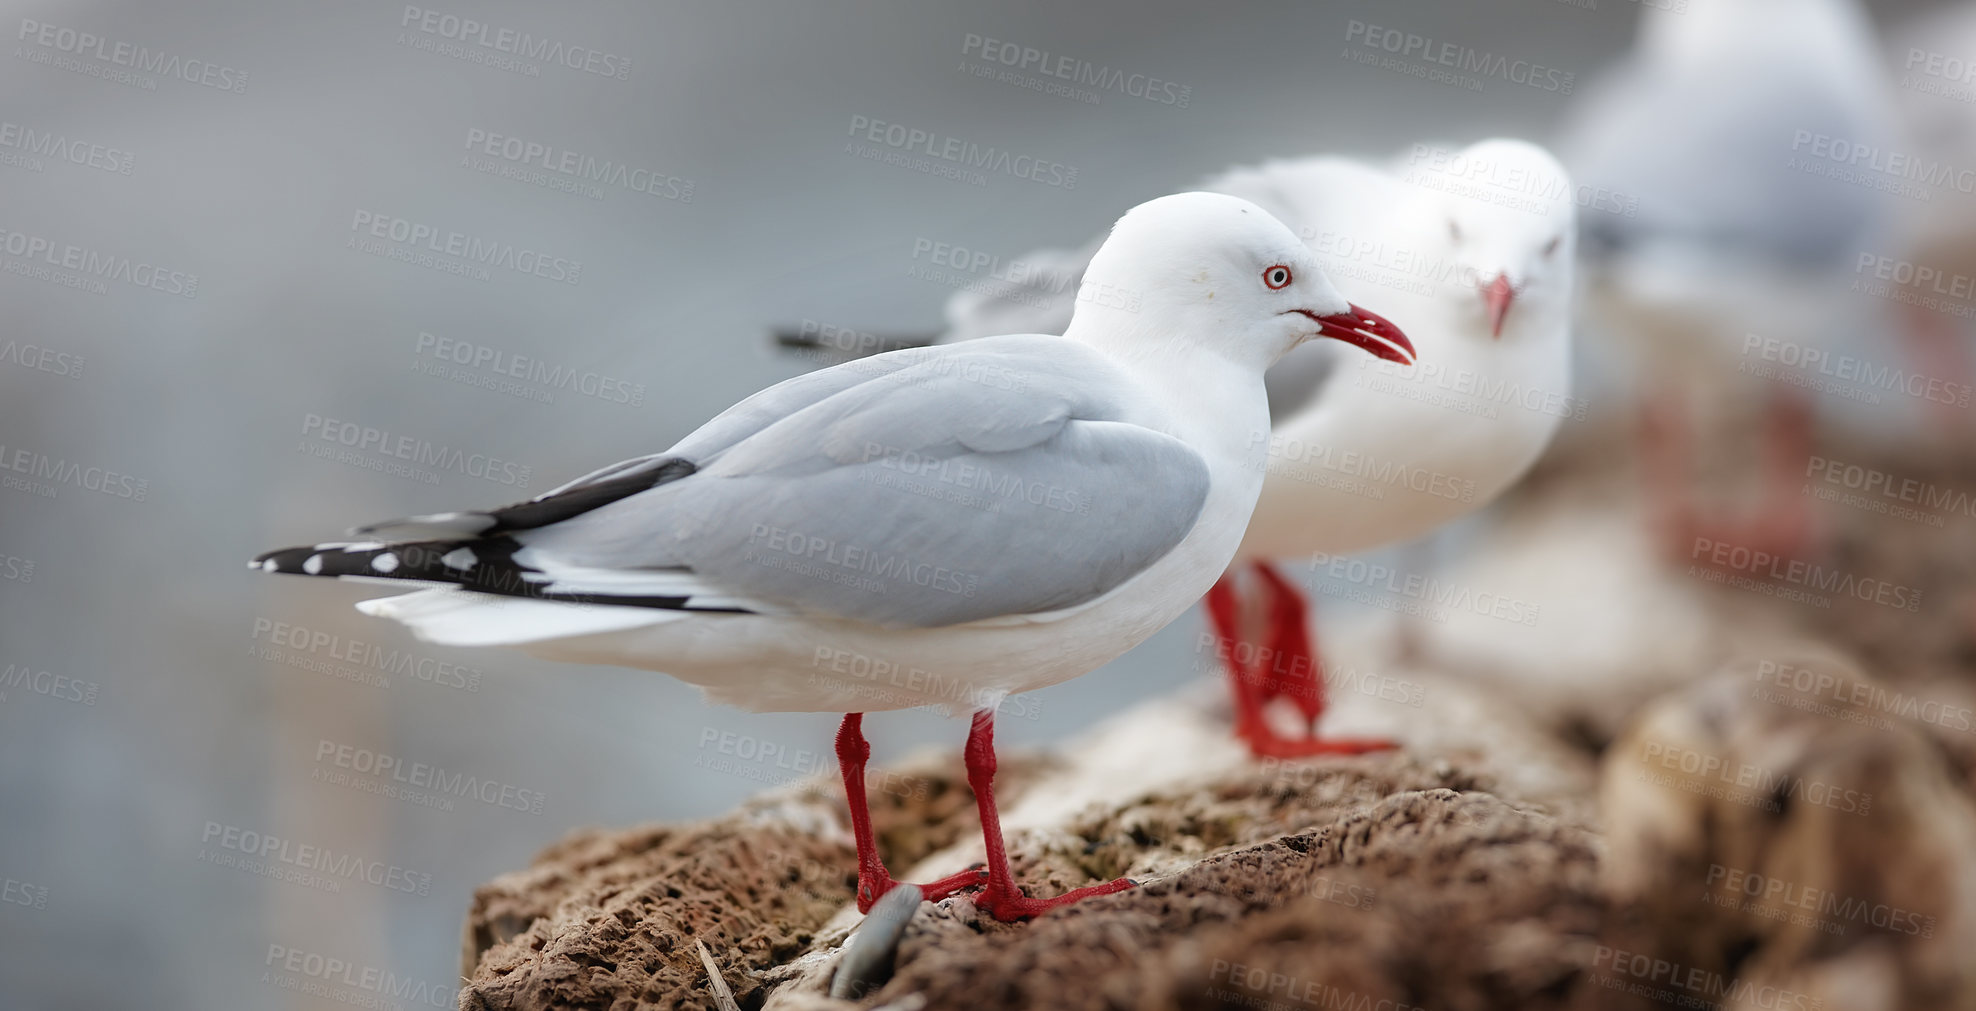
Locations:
(1507, 213)
(1207, 268)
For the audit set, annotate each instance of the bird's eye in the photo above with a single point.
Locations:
(1551, 246)
(1454, 231)
(1276, 277)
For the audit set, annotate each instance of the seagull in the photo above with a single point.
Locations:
(980, 519)
(1717, 136)
(1937, 103)
(1470, 250)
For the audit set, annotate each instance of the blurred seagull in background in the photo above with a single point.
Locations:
(1935, 58)
(1734, 221)
(1006, 514)
(1470, 252)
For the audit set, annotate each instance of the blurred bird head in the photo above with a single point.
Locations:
(1215, 269)
(1507, 213)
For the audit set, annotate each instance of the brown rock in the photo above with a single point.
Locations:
(1773, 845)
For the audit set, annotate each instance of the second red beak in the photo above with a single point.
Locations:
(1497, 297)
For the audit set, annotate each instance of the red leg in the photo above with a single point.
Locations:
(1934, 343)
(873, 880)
(1786, 519)
(1664, 449)
(1224, 609)
(1000, 898)
(1783, 524)
(1295, 671)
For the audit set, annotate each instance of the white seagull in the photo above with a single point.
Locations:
(980, 519)
(1935, 56)
(1729, 136)
(1470, 252)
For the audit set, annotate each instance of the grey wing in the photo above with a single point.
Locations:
(642, 473)
(1297, 380)
(1002, 478)
(1035, 294)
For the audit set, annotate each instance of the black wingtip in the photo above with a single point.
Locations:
(282, 560)
(847, 344)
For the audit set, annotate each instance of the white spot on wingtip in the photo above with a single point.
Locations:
(386, 562)
(313, 566)
(459, 558)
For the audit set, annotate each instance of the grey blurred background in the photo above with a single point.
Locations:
(161, 713)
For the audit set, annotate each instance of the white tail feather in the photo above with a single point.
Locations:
(454, 617)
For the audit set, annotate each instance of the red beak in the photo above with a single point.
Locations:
(1497, 297)
(1367, 331)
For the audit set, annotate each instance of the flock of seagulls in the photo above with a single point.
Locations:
(1312, 355)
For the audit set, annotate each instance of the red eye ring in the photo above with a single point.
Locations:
(1276, 277)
